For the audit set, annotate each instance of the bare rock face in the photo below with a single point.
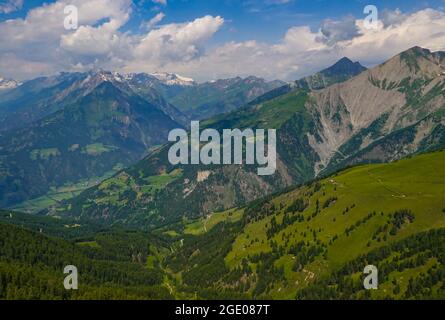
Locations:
(405, 89)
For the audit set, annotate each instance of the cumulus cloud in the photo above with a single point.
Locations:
(303, 51)
(10, 6)
(392, 17)
(41, 42)
(154, 21)
(175, 42)
(335, 31)
(38, 44)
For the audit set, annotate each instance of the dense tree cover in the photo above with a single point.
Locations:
(112, 265)
(117, 263)
(58, 227)
(298, 205)
(410, 253)
(201, 258)
(288, 219)
(31, 267)
(268, 273)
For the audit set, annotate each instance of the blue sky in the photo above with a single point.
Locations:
(225, 32)
(264, 20)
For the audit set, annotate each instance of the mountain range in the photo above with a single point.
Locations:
(63, 133)
(359, 181)
(383, 114)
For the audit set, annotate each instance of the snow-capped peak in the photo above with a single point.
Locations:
(172, 79)
(8, 83)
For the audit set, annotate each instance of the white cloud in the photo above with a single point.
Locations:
(39, 44)
(173, 42)
(302, 51)
(335, 31)
(163, 2)
(154, 21)
(423, 28)
(10, 6)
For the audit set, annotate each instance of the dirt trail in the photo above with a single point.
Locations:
(398, 194)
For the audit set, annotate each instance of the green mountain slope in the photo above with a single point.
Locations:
(314, 241)
(35, 99)
(309, 242)
(154, 192)
(39, 151)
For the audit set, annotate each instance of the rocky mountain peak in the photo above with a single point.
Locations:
(173, 79)
(344, 66)
(404, 90)
(414, 63)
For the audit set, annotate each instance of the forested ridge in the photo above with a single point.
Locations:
(32, 264)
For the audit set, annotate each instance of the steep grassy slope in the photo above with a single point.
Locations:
(309, 242)
(320, 236)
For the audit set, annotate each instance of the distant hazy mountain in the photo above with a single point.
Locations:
(58, 130)
(97, 123)
(342, 70)
(201, 101)
(383, 114)
(198, 100)
(34, 100)
(40, 97)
